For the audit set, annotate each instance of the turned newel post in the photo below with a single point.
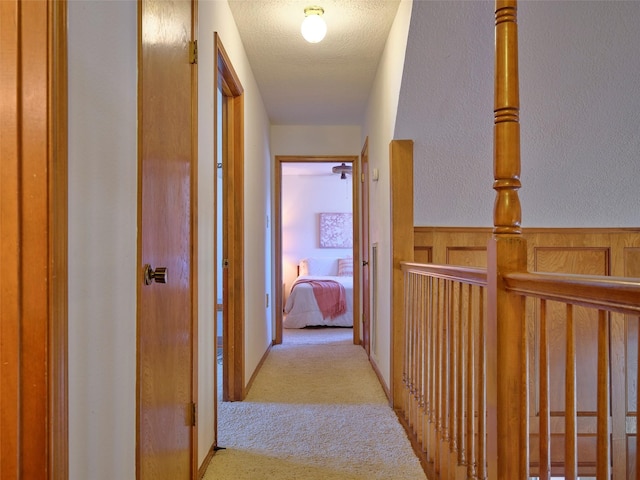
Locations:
(507, 372)
(506, 134)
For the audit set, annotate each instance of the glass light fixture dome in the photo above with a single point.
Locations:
(313, 27)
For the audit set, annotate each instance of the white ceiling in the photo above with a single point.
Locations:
(326, 83)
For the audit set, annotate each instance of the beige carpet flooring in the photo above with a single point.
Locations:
(315, 411)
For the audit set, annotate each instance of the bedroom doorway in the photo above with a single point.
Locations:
(228, 232)
(366, 269)
(331, 169)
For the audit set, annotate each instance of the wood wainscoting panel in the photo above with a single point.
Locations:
(631, 269)
(464, 246)
(422, 254)
(589, 251)
(467, 256)
(631, 262)
(577, 260)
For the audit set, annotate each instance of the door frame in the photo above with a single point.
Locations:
(277, 222)
(226, 79)
(33, 246)
(365, 279)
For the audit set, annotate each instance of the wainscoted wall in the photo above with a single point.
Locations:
(589, 251)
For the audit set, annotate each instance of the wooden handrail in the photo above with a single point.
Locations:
(472, 276)
(615, 294)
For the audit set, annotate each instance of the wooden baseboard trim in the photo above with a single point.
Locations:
(427, 467)
(205, 463)
(255, 372)
(387, 392)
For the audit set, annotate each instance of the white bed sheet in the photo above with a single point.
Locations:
(302, 310)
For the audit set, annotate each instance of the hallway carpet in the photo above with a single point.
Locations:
(315, 411)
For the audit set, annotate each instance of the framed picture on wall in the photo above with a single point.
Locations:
(336, 230)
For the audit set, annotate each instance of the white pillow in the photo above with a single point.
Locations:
(319, 266)
(345, 267)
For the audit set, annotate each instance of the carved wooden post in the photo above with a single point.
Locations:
(507, 415)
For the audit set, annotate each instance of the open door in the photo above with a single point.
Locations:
(166, 248)
(364, 238)
(231, 140)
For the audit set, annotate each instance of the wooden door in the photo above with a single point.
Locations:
(33, 241)
(366, 295)
(165, 442)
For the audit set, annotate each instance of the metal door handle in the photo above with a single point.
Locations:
(159, 275)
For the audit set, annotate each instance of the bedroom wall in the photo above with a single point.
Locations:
(215, 16)
(379, 123)
(303, 198)
(579, 112)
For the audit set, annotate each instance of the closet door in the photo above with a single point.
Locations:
(166, 409)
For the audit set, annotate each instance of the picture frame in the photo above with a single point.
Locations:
(336, 230)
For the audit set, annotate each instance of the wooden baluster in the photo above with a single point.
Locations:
(637, 452)
(427, 366)
(453, 377)
(406, 362)
(425, 373)
(419, 360)
(444, 439)
(412, 367)
(432, 369)
(481, 389)
(570, 411)
(438, 374)
(462, 460)
(544, 436)
(603, 468)
(471, 393)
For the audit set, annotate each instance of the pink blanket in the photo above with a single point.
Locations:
(330, 296)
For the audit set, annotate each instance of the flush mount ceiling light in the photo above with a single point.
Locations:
(342, 170)
(313, 26)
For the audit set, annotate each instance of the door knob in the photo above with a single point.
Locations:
(159, 275)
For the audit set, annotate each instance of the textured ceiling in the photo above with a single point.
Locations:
(326, 83)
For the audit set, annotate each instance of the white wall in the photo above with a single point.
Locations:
(446, 107)
(304, 197)
(379, 126)
(579, 115)
(315, 140)
(215, 16)
(102, 39)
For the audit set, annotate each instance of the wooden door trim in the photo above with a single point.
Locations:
(194, 244)
(33, 244)
(277, 222)
(364, 214)
(228, 81)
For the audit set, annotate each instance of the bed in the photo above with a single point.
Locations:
(322, 294)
